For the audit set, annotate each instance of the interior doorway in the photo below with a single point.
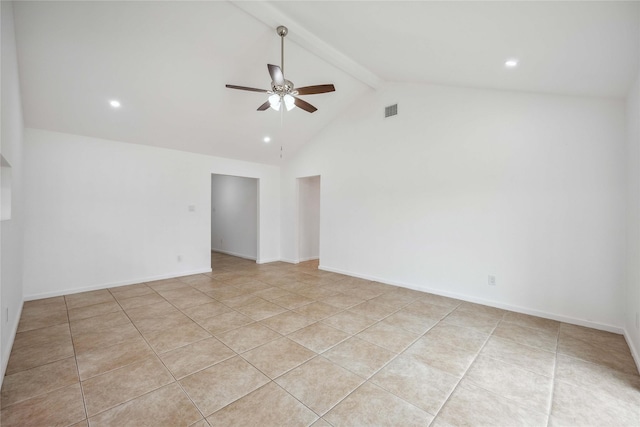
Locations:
(308, 218)
(234, 216)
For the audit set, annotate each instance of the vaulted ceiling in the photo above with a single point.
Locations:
(167, 62)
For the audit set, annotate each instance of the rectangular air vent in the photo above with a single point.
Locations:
(391, 110)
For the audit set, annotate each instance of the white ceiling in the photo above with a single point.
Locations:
(167, 62)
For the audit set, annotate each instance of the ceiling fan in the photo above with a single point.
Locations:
(282, 92)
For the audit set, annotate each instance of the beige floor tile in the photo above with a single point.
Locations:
(45, 410)
(98, 323)
(106, 338)
(432, 310)
(293, 301)
(373, 310)
(261, 309)
(349, 322)
(457, 336)
(318, 310)
(534, 322)
(201, 312)
(225, 322)
(470, 405)
(278, 357)
(201, 423)
(166, 406)
(539, 338)
(521, 386)
(183, 299)
(223, 383)
(370, 405)
(105, 359)
(37, 381)
(194, 357)
(87, 311)
(615, 384)
(195, 278)
(83, 423)
(318, 337)
(151, 310)
(532, 359)
(364, 292)
(141, 300)
(440, 300)
(450, 359)
(225, 293)
(88, 298)
(394, 299)
(321, 423)
(167, 285)
(287, 322)
(42, 318)
(417, 383)
(113, 388)
(160, 323)
(359, 356)
(247, 337)
(342, 301)
(418, 323)
(389, 337)
(178, 336)
(212, 285)
(319, 384)
(492, 312)
(241, 300)
(272, 293)
(51, 335)
(620, 360)
(602, 339)
(39, 347)
(129, 291)
(577, 406)
(317, 292)
(269, 406)
(49, 303)
(471, 319)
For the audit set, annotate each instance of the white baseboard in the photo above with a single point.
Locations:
(116, 284)
(252, 258)
(290, 261)
(7, 351)
(267, 260)
(311, 258)
(490, 303)
(634, 348)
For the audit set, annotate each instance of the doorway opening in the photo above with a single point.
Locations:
(234, 216)
(309, 218)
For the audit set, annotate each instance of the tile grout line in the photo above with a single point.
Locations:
(553, 378)
(75, 357)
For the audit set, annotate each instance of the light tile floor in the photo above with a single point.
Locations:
(291, 345)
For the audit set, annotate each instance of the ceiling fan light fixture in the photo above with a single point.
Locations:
(274, 101)
(289, 102)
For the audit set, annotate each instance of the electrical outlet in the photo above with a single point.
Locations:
(492, 280)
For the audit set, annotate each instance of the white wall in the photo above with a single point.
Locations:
(234, 215)
(308, 218)
(465, 183)
(101, 213)
(633, 220)
(11, 231)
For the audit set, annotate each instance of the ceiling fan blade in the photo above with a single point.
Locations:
(276, 74)
(264, 106)
(312, 90)
(304, 105)
(251, 89)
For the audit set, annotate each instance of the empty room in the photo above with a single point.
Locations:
(320, 213)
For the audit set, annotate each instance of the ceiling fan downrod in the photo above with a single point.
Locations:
(282, 31)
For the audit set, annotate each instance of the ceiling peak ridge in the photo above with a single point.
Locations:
(270, 15)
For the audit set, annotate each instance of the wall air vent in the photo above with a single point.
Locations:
(391, 110)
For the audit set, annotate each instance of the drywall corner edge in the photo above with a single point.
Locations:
(632, 347)
(490, 303)
(115, 284)
(7, 350)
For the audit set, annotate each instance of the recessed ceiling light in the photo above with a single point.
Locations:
(267, 139)
(114, 103)
(511, 63)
